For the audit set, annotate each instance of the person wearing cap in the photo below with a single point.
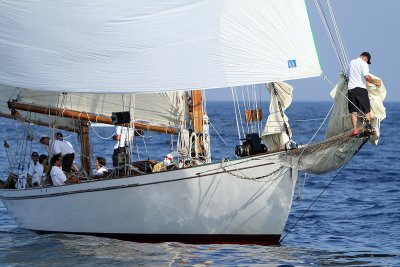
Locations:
(59, 136)
(358, 99)
(61, 148)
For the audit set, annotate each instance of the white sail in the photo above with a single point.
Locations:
(153, 45)
(274, 134)
(164, 108)
(378, 111)
(340, 121)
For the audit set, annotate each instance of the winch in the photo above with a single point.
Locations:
(251, 146)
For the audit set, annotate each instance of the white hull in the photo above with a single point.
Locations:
(208, 201)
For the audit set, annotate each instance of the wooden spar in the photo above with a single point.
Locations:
(84, 116)
(85, 147)
(16, 115)
(197, 111)
(6, 115)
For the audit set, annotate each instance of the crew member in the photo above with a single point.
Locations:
(123, 136)
(57, 175)
(65, 150)
(357, 93)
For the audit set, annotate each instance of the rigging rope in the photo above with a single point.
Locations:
(258, 120)
(326, 187)
(183, 145)
(218, 134)
(236, 115)
(245, 107)
(300, 187)
(340, 41)
(330, 35)
(315, 134)
(345, 96)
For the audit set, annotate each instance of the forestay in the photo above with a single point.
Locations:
(153, 45)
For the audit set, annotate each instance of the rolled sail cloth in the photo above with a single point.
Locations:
(378, 111)
(325, 156)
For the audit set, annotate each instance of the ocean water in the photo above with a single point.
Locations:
(354, 222)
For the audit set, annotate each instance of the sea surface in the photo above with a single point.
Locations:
(354, 221)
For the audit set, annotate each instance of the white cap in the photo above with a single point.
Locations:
(43, 136)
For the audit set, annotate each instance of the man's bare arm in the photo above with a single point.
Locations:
(369, 79)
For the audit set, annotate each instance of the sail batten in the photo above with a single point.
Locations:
(153, 45)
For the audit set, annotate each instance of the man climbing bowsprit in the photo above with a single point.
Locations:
(357, 89)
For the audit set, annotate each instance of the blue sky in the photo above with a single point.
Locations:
(365, 25)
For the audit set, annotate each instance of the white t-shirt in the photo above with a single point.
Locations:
(36, 171)
(58, 146)
(57, 176)
(126, 135)
(358, 69)
(100, 171)
(68, 143)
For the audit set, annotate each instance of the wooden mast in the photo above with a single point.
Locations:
(197, 111)
(197, 118)
(85, 147)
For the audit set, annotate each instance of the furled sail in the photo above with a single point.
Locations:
(153, 45)
(277, 133)
(325, 156)
(378, 112)
(164, 108)
(340, 121)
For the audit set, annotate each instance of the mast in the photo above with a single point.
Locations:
(200, 126)
(197, 111)
(85, 147)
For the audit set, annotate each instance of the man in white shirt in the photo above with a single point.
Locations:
(357, 93)
(100, 167)
(123, 136)
(62, 148)
(57, 175)
(35, 171)
(59, 136)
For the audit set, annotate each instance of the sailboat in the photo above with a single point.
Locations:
(146, 65)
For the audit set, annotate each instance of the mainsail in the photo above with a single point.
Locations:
(153, 45)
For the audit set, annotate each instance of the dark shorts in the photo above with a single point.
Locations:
(120, 156)
(67, 161)
(359, 100)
